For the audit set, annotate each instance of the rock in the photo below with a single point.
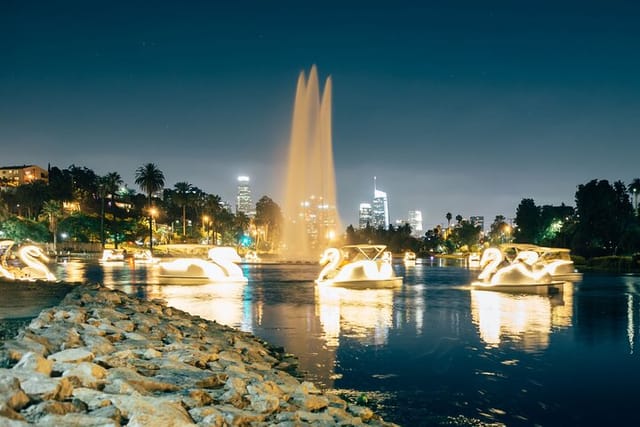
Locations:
(97, 344)
(139, 381)
(41, 387)
(11, 393)
(35, 362)
(74, 355)
(310, 402)
(76, 420)
(88, 374)
(48, 407)
(152, 411)
(361, 411)
(110, 412)
(8, 412)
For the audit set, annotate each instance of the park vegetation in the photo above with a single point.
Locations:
(78, 206)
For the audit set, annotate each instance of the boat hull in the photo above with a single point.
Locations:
(538, 288)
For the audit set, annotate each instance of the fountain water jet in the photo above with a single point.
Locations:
(310, 211)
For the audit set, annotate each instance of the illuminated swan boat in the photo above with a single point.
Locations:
(219, 267)
(112, 256)
(409, 258)
(358, 266)
(28, 265)
(144, 257)
(555, 261)
(499, 273)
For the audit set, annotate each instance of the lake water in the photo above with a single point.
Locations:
(434, 351)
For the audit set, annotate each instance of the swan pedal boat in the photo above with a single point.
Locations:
(219, 267)
(358, 267)
(556, 260)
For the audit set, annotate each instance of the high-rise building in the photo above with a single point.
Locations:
(380, 208)
(415, 221)
(365, 217)
(243, 201)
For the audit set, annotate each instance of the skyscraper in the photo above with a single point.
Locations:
(243, 201)
(365, 218)
(415, 221)
(380, 208)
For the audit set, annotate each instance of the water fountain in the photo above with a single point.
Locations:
(310, 211)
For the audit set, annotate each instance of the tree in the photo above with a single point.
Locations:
(150, 179)
(53, 210)
(448, 216)
(634, 189)
(182, 198)
(269, 220)
(500, 231)
(604, 214)
(458, 218)
(466, 234)
(109, 185)
(528, 220)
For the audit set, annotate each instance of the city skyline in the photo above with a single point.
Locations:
(464, 109)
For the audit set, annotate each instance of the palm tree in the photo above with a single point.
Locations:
(150, 179)
(52, 210)
(634, 189)
(448, 216)
(459, 218)
(109, 185)
(182, 198)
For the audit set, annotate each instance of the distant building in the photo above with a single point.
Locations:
(380, 208)
(477, 221)
(365, 215)
(415, 221)
(13, 176)
(243, 201)
(226, 206)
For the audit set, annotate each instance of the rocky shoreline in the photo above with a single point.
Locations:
(103, 358)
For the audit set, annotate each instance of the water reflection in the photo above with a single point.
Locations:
(222, 302)
(526, 321)
(365, 314)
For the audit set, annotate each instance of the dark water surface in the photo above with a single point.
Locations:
(433, 348)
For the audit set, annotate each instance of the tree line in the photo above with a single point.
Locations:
(78, 205)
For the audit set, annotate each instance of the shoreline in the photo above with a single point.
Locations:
(104, 358)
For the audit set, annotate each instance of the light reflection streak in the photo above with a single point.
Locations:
(361, 313)
(221, 302)
(526, 320)
(630, 322)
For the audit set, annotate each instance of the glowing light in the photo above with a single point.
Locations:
(220, 267)
(358, 265)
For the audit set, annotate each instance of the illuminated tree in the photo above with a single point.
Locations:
(150, 179)
(182, 197)
(52, 210)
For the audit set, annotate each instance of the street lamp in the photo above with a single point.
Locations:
(152, 214)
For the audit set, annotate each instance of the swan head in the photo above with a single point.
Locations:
(328, 255)
(489, 255)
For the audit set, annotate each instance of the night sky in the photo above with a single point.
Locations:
(456, 106)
